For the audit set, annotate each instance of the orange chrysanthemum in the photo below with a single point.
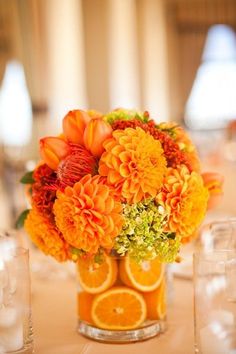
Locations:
(133, 160)
(46, 236)
(88, 215)
(185, 199)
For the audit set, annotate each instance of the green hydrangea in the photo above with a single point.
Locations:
(142, 235)
(124, 114)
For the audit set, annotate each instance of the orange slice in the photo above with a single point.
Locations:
(95, 278)
(85, 301)
(119, 308)
(156, 302)
(144, 276)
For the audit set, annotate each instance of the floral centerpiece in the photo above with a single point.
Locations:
(117, 194)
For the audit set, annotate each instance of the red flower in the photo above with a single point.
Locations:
(80, 163)
(44, 190)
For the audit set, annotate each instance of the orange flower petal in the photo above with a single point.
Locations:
(90, 217)
(74, 124)
(96, 132)
(185, 199)
(53, 150)
(133, 163)
(45, 236)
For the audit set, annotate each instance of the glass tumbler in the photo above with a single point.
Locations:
(220, 234)
(15, 307)
(215, 302)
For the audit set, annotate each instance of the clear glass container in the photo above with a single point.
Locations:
(120, 300)
(215, 302)
(218, 235)
(16, 334)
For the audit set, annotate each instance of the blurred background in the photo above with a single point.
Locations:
(174, 58)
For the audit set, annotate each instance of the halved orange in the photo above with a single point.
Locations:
(119, 308)
(85, 301)
(156, 302)
(95, 278)
(145, 276)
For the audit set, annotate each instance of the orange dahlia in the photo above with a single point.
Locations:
(133, 160)
(174, 156)
(88, 215)
(46, 236)
(185, 199)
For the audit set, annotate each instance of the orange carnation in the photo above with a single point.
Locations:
(45, 236)
(185, 199)
(133, 160)
(88, 215)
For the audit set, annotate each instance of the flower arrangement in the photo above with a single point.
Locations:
(117, 183)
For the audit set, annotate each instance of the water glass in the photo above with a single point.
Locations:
(220, 234)
(15, 307)
(215, 302)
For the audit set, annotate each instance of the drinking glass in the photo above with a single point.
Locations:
(219, 234)
(215, 302)
(15, 307)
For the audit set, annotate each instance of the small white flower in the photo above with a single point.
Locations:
(161, 209)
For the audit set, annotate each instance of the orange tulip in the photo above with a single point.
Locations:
(214, 183)
(96, 132)
(53, 150)
(74, 124)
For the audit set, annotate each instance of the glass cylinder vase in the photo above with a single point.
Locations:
(121, 300)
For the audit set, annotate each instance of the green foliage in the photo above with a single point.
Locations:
(21, 219)
(27, 178)
(123, 114)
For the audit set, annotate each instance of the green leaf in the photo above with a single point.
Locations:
(171, 235)
(21, 219)
(27, 178)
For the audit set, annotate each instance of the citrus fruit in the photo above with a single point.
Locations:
(156, 302)
(144, 276)
(95, 278)
(119, 308)
(85, 301)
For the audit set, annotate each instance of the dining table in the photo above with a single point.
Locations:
(54, 312)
